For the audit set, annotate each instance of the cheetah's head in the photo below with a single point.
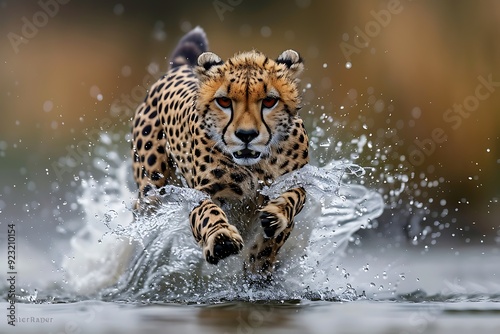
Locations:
(248, 102)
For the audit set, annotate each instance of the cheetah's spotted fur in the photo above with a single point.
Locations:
(225, 128)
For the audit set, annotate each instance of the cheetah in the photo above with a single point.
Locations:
(226, 128)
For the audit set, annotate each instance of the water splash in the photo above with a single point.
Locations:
(317, 181)
(96, 258)
(154, 257)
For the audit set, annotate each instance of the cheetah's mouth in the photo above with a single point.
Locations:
(246, 154)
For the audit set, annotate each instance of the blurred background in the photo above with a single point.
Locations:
(410, 88)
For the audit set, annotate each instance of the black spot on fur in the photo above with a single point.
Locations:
(152, 159)
(218, 173)
(146, 130)
(236, 189)
(237, 177)
(216, 187)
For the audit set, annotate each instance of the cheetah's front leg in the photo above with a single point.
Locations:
(278, 213)
(212, 231)
(277, 221)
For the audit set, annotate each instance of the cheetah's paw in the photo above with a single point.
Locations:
(273, 219)
(223, 243)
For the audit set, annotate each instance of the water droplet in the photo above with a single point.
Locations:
(118, 9)
(95, 91)
(345, 273)
(48, 105)
(325, 144)
(159, 33)
(60, 229)
(379, 106)
(303, 3)
(416, 112)
(153, 68)
(110, 215)
(126, 71)
(265, 31)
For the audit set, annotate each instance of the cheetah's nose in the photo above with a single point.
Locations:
(246, 136)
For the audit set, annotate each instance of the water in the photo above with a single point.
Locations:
(155, 258)
(119, 276)
(286, 317)
(116, 276)
(464, 305)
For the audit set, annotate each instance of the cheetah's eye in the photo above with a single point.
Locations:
(269, 102)
(223, 102)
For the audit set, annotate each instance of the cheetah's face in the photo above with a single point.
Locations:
(248, 102)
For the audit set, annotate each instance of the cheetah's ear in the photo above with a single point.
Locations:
(292, 60)
(206, 61)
